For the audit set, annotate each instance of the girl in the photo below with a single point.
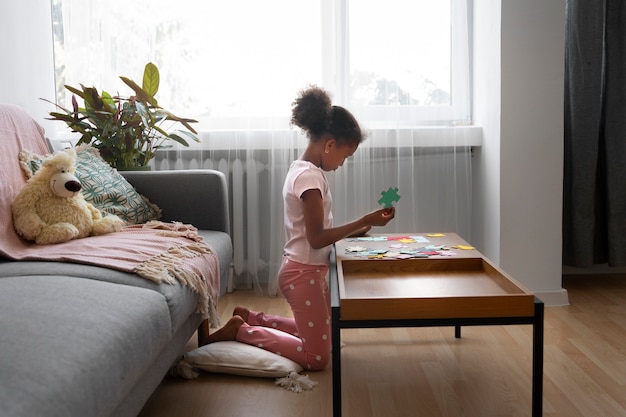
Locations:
(334, 135)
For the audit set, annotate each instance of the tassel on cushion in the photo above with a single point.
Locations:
(296, 383)
(184, 369)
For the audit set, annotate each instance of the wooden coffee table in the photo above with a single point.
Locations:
(460, 289)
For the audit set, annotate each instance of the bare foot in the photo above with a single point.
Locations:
(241, 312)
(227, 332)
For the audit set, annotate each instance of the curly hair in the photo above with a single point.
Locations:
(314, 112)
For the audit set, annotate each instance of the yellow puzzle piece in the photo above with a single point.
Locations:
(463, 247)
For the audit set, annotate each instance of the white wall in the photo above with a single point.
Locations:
(486, 113)
(27, 70)
(519, 170)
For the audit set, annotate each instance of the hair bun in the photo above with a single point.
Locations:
(312, 110)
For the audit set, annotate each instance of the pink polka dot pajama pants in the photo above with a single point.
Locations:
(306, 338)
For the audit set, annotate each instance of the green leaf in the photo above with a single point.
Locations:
(151, 79)
(140, 93)
(76, 91)
(186, 134)
(184, 121)
(92, 98)
(143, 113)
(164, 134)
(67, 118)
(109, 101)
(178, 139)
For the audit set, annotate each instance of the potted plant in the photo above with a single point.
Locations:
(126, 130)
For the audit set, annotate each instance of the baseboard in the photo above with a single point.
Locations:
(595, 269)
(556, 298)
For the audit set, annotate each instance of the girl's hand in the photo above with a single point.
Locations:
(380, 217)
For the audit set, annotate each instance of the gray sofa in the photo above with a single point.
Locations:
(85, 341)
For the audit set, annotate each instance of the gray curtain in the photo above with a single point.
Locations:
(594, 198)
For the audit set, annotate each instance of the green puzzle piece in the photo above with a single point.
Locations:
(389, 197)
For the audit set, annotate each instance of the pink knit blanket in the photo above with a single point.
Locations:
(160, 252)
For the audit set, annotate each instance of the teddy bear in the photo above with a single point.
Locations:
(51, 209)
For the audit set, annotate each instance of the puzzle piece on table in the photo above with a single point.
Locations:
(389, 197)
(463, 247)
(435, 235)
(403, 256)
(429, 252)
(407, 254)
(366, 239)
(435, 247)
(356, 249)
(398, 246)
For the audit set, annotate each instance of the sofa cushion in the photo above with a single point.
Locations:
(79, 356)
(181, 301)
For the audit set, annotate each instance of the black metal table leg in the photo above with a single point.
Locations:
(335, 309)
(336, 342)
(537, 401)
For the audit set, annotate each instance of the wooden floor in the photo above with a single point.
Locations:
(427, 372)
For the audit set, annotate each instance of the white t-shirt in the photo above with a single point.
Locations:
(303, 176)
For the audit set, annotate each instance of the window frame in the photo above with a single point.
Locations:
(337, 73)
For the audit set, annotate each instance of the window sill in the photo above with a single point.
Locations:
(418, 137)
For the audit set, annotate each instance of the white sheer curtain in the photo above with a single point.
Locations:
(237, 66)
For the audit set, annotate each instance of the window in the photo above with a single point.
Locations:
(401, 59)
(240, 64)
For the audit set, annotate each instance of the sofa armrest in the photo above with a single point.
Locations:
(197, 196)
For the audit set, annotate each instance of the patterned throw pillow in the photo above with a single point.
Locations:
(103, 186)
(30, 162)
